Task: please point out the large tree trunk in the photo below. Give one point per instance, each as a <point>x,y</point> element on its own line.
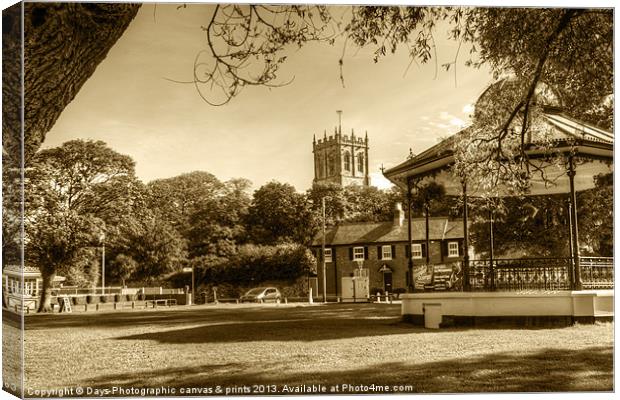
<point>64,43</point>
<point>45,305</point>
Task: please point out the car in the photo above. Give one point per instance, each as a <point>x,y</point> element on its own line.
<point>261,295</point>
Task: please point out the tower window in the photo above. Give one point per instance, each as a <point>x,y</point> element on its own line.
<point>347,161</point>
<point>331,170</point>
<point>360,162</point>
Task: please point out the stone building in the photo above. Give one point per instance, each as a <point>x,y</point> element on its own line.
<point>341,159</point>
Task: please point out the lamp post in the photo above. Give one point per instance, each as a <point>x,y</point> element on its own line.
<point>102,239</point>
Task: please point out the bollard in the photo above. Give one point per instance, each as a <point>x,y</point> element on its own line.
<point>97,307</point>
<point>378,297</point>
<point>338,299</point>
<point>310,296</point>
<point>133,305</point>
<point>286,300</point>
<point>115,305</point>
<point>85,307</point>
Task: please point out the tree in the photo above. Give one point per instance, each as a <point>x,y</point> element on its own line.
<point>71,190</point>
<point>567,52</point>
<point>124,267</point>
<point>335,202</point>
<point>353,203</point>
<point>207,213</point>
<point>176,199</point>
<point>533,226</point>
<point>155,246</point>
<point>279,214</point>
<point>64,43</point>
<point>596,217</point>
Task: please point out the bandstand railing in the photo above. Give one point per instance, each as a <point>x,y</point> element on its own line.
<point>538,274</point>
<point>597,272</point>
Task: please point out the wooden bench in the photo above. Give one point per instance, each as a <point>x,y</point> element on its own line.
<point>164,302</point>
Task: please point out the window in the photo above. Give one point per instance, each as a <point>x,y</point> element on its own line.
<point>386,252</point>
<point>331,165</point>
<point>416,250</point>
<point>453,249</point>
<point>360,162</point>
<point>347,161</point>
<point>328,255</point>
<point>358,253</point>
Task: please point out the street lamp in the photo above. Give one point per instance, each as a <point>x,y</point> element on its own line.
<point>102,239</point>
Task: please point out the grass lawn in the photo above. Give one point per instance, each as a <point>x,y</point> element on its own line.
<point>356,344</point>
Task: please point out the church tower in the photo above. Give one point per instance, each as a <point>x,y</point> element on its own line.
<point>341,159</point>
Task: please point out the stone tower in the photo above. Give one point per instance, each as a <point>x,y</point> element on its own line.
<point>341,159</point>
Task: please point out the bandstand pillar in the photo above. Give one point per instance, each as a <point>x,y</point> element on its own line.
<point>466,286</point>
<point>577,284</point>
<point>411,287</point>
<point>491,248</point>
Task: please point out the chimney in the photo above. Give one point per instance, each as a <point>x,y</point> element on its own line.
<point>399,214</point>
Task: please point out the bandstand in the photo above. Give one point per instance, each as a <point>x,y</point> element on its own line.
<point>529,291</point>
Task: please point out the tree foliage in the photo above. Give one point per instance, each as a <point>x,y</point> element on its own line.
<point>538,226</point>
<point>353,203</point>
<point>564,50</point>
<point>64,43</point>
<point>70,190</point>
<point>209,214</point>
<point>278,214</point>
<point>260,263</point>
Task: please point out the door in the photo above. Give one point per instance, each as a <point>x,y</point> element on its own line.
<point>387,281</point>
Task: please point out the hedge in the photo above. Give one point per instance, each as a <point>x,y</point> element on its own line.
<point>92,299</point>
<point>253,263</point>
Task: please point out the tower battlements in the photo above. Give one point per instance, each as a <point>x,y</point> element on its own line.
<point>341,159</point>
<point>338,138</point>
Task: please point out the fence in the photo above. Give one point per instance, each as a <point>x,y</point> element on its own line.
<point>597,272</point>
<point>539,274</point>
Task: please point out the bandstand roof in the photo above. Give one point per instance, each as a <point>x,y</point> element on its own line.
<point>18,270</point>
<point>591,145</point>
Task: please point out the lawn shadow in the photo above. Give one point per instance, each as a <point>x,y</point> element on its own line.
<point>548,370</point>
<point>176,317</point>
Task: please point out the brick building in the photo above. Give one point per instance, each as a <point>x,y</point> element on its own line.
<point>381,249</point>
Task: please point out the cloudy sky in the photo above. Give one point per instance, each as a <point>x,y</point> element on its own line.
<point>263,134</point>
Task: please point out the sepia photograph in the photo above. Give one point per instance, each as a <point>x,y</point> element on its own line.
<point>204,199</point>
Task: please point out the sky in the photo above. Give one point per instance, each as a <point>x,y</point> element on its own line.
<point>264,133</point>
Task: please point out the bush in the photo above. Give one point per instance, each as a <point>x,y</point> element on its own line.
<point>92,299</point>
<point>253,263</point>
<point>399,291</point>
<point>107,298</point>
<point>142,296</point>
<point>79,300</point>
<point>119,298</point>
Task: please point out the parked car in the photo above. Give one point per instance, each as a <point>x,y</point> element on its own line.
<point>262,295</point>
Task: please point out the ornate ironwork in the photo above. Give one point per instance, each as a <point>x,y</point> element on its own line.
<point>538,273</point>
<point>597,272</point>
